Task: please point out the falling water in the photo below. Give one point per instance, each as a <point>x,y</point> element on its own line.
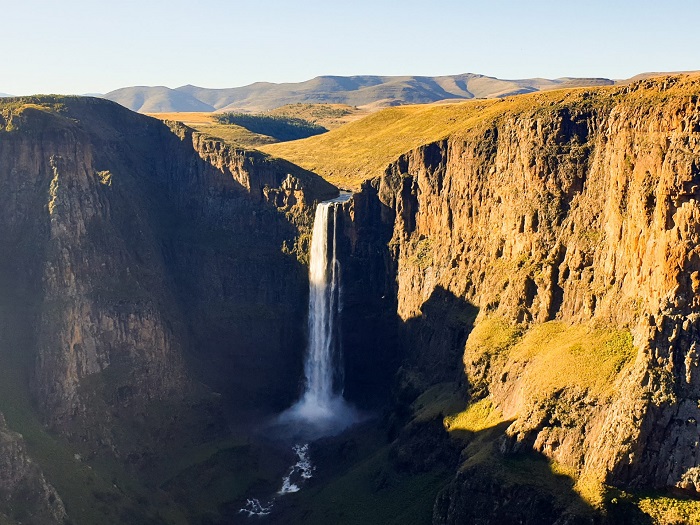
<point>321,410</point>
<point>322,402</point>
<point>322,367</point>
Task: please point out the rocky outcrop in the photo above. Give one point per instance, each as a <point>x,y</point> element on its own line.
<point>581,210</point>
<point>25,496</point>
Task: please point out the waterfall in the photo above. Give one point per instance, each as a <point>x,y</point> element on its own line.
<point>321,409</point>
<point>323,366</point>
<point>322,402</point>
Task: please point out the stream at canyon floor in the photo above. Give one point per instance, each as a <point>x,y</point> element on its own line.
<point>298,474</point>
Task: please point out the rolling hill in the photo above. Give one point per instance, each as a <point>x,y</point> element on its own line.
<point>363,90</point>
<point>158,99</point>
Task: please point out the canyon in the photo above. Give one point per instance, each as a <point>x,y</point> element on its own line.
<point>519,314</point>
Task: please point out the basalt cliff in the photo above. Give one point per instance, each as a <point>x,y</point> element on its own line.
<point>551,251</point>
<point>520,314</point>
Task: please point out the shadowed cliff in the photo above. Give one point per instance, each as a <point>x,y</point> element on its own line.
<point>151,283</point>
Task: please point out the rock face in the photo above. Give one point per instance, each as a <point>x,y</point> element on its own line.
<point>139,259</point>
<point>25,495</point>
<point>583,210</point>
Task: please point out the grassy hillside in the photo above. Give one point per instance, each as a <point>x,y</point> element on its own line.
<point>363,149</point>
<point>281,127</point>
<point>255,130</point>
<point>206,123</point>
<point>330,116</point>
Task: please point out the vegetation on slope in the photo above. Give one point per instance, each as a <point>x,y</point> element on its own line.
<point>207,124</point>
<point>362,149</point>
<point>553,357</point>
<point>280,127</point>
<point>667,510</point>
<point>330,116</point>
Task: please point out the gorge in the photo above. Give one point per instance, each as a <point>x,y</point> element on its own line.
<point>519,312</point>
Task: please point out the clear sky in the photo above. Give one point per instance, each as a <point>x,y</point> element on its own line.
<point>88,46</point>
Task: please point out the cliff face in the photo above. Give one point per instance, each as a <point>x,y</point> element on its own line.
<point>571,226</point>
<point>139,259</point>
<point>25,495</point>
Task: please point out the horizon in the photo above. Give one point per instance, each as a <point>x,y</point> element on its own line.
<point>96,94</point>
<point>223,44</point>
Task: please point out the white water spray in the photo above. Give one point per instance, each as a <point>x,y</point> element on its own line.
<point>301,471</point>
<point>323,371</point>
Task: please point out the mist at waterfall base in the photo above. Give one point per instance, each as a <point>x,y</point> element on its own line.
<point>322,410</point>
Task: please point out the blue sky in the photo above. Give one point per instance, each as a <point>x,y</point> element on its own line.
<point>85,46</point>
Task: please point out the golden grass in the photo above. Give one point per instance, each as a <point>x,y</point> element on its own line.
<point>560,356</point>
<point>544,360</point>
<point>552,356</point>
<point>330,116</point>
<point>475,418</point>
<point>664,510</point>
<point>490,337</point>
<point>547,359</point>
<point>236,135</point>
<point>191,119</point>
<point>206,123</point>
<point>363,149</point>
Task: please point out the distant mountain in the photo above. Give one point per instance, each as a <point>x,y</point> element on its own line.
<point>159,99</point>
<point>354,91</point>
<point>5,95</point>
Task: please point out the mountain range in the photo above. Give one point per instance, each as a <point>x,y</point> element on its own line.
<point>354,90</point>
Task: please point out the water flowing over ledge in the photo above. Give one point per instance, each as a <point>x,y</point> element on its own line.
<point>322,409</point>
